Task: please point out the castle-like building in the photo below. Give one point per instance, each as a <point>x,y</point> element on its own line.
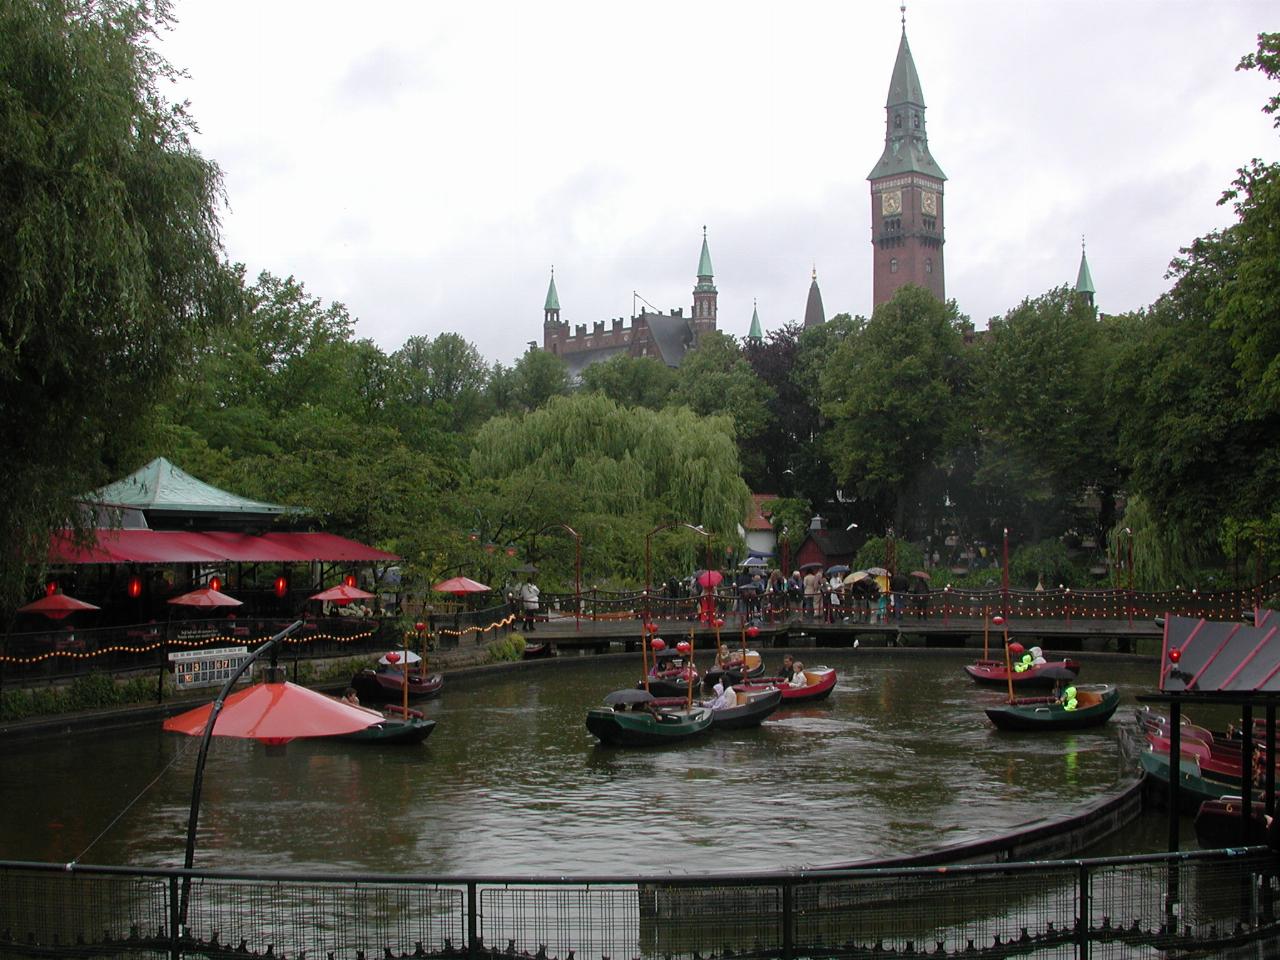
<point>907,236</point>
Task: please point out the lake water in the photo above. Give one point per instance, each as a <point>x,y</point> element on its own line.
<point>900,759</point>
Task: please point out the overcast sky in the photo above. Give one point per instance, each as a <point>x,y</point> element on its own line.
<point>426,163</point>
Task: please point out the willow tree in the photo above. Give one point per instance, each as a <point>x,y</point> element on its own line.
<point>615,468</point>
<point>109,252</point>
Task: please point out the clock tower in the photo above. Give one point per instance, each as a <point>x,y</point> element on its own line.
<point>906,192</point>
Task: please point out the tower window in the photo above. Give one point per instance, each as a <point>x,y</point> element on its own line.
<point>893,264</point>
<point>915,120</point>
<point>928,264</point>
<point>897,121</point>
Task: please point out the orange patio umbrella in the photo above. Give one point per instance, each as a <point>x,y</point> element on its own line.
<point>275,713</point>
<point>460,586</point>
<point>55,606</point>
<point>342,593</point>
<point>205,597</point>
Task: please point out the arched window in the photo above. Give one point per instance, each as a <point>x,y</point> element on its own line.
<point>893,264</point>
<point>897,121</point>
<point>928,264</point>
<point>915,120</point>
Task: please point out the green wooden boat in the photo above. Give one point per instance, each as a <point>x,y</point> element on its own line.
<point>629,718</point>
<point>1096,703</point>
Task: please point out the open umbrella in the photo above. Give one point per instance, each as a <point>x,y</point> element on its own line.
<point>55,606</point>
<point>709,578</point>
<point>275,712</point>
<point>396,656</point>
<point>755,562</point>
<point>811,566</point>
<point>342,594</point>
<point>205,597</point>
<point>857,576</point>
<point>877,571</point>
<point>525,568</point>
<point>840,568</point>
<point>921,574</point>
<point>460,586</point>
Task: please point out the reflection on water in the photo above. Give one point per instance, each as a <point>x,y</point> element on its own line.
<point>899,759</point>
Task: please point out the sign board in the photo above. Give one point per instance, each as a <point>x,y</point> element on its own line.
<point>206,668</point>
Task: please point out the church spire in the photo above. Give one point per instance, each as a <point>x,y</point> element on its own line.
<point>551,308</point>
<point>755,333</point>
<point>704,292</point>
<point>906,146</point>
<point>1084,280</point>
<point>813,311</point>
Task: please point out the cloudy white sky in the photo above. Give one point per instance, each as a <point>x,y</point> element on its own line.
<point>426,163</point>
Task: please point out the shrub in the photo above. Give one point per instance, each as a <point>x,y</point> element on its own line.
<point>505,649</point>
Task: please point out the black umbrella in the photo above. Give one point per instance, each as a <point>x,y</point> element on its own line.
<point>525,568</point>
<point>1056,672</point>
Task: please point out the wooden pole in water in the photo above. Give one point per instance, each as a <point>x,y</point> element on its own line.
<point>986,630</point>
<point>691,672</point>
<point>404,683</point>
<point>644,653</point>
<point>1008,664</point>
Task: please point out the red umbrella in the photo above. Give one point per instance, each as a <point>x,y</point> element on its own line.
<point>206,597</point>
<point>276,712</point>
<point>55,606</point>
<point>460,586</point>
<point>710,578</point>
<point>342,594</point>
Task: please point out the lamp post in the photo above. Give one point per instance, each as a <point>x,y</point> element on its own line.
<point>648,587</point>
<point>1129,565</point>
<point>1004,577</point>
<point>577,566</point>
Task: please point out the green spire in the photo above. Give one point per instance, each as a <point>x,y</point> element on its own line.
<point>704,262</point>
<point>1084,280</point>
<point>906,146</point>
<point>755,333</point>
<point>553,298</point>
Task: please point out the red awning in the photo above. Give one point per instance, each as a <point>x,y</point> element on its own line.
<point>213,546</point>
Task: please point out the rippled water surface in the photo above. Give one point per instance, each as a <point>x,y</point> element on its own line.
<point>900,759</point>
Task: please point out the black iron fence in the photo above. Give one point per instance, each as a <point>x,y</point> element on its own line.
<point>1202,904</point>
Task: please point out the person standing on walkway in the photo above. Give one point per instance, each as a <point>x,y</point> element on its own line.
<point>529,600</point>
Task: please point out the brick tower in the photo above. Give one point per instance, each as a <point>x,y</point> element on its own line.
<point>906,192</point>
<point>704,293</point>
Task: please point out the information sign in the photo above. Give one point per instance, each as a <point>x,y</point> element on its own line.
<point>206,668</point>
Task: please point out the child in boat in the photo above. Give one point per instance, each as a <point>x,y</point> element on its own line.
<point>798,679</point>
<point>725,697</point>
<point>350,697</point>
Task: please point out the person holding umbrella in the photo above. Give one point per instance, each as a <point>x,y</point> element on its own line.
<point>529,600</point>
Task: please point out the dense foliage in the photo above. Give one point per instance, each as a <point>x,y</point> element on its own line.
<point>1088,436</point>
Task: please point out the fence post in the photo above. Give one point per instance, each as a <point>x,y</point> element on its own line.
<point>174,950</point>
<point>473,943</point>
<point>788,946</point>
<point>1082,922</point>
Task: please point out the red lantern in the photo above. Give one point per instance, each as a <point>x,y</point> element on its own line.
<point>753,631</point>
<point>282,586</point>
<point>135,587</point>
<point>51,588</point>
<point>998,620</point>
<point>511,551</point>
<point>215,583</point>
<point>1016,648</point>
<point>393,657</point>
<point>658,643</point>
<point>651,627</point>
<point>1175,655</point>
<point>717,623</point>
<point>349,580</point>
<point>420,626</point>
<point>683,647</point>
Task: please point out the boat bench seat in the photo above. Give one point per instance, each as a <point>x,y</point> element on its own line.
<point>1087,698</point>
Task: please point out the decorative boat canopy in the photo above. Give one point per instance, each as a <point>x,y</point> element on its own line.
<point>1206,656</point>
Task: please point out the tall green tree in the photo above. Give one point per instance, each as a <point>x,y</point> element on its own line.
<point>447,373</point>
<point>109,253</point>
<point>889,391</point>
<point>631,381</point>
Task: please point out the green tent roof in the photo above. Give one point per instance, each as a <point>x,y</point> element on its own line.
<point>160,486</point>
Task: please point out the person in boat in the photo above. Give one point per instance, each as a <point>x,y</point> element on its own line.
<point>725,697</point>
<point>798,679</point>
<point>727,659</point>
<point>350,697</point>
<point>788,668</point>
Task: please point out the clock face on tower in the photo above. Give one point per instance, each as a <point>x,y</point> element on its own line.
<point>929,203</point>
<point>890,203</point>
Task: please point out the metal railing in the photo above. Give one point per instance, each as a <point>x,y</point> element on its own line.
<point>1179,904</point>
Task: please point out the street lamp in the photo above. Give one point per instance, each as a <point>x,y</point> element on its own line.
<point>577,565</point>
<point>1004,576</point>
<point>648,588</point>
<point>1129,605</point>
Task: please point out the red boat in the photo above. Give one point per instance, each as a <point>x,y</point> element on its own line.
<point>386,685</point>
<point>1039,676</point>
<point>819,682</point>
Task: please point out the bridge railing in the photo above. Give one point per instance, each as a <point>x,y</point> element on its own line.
<point>1165,904</point>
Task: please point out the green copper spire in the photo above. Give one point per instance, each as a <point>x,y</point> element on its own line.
<point>1084,280</point>
<point>704,262</point>
<point>553,298</point>
<point>906,146</point>
<point>755,333</point>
